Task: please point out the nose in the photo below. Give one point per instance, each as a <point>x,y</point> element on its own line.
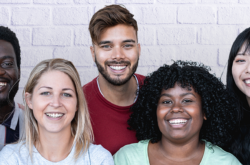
<point>2,71</point>
<point>55,101</point>
<point>118,53</point>
<point>176,108</point>
<point>248,66</point>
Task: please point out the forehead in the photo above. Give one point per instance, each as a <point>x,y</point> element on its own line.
<point>245,48</point>
<point>6,49</point>
<point>118,32</point>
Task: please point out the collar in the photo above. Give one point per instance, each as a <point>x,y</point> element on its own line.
<point>137,83</point>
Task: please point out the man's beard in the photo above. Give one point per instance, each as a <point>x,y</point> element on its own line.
<point>9,99</point>
<point>116,81</point>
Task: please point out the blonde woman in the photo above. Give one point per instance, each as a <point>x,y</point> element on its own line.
<point>57,123</point>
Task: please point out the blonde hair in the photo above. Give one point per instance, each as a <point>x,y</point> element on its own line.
<point>81,128</point>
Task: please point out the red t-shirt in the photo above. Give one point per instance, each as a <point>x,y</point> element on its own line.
<point>109,121</point>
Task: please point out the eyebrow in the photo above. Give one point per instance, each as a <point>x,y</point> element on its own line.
<point>184,94</point>
<point>64,89</point>
<point>7,57</point>
<point>108,42</point>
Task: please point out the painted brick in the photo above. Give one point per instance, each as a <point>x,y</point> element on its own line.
<point>233,15</point>
<point>207,56</point>
<point>146,70</point>
<point>25,73</point>
<point>156,56</point>
<point>223,55</point>
<point>197,14</point>
<point>23,35</point>
<point>221,35</point>
<point>19,97</point>
<point>30,16</point>
<point>146,35</point>
<point>82,36</point>
<point>153,15</point>
<point>15,1</point>
<point>242,28</point>
<point>177,1</point>
<point>219,1</point>
<point>71,16</point>
<point>219,72</point>
<point>32,56</point>
<point>52,36</point>
<point>244,1</point>
<point>4,15</point>
<point>134,1</point>
<point>87,74</point>
<point>93,1</point>
<point>52,1</point>
<point>79,56</point>
<point>138,14</point>
<point>176,35</point>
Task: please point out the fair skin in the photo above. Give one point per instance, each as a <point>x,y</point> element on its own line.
<point>54,104</point>
<point>241,71</point>
<point>180,117</point>
<point>117,53</point>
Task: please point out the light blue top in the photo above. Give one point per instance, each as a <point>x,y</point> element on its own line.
<point>18,154</point>
<point>137,154</point>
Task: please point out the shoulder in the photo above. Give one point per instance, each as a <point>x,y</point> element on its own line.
<point>140,78</point>
<point>100,155</point>
<point>135,153</point>
<point>89,85</point>
<point>12,153</point>
<point>216,155</point>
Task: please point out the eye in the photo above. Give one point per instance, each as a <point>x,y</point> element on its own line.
<point>128,46</point>
<point>67,95</point>
<point>187,101</point>
<point>106,46</point>
<point>45,93</point>
<point>240,61</point>
<point>167,102</point>
<point>7,64</point>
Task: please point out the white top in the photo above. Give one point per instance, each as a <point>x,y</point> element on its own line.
<point>18,115</point>
<point>18,154</point>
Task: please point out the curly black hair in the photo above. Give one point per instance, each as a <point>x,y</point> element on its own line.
<point>7,35</point>
<point>217,104</point>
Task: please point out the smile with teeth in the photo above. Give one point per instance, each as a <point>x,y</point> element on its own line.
<point>118,67</point>
<point>247,81</point>
<point>177,121</point>
<point>54,115</point>
<point>2,84</point>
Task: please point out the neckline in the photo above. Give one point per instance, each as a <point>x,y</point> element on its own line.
<point>137,83</point>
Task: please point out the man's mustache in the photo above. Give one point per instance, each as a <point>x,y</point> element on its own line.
<point>117,62</point>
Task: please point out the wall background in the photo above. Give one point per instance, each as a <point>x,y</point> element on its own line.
<point>198,30</point>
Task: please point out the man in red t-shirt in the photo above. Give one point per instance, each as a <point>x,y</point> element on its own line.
<point>109,96</point>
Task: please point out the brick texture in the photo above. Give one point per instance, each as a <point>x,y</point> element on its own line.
<point>197,30</point>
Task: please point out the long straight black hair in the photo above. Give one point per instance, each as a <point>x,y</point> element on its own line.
<point>240,146</point>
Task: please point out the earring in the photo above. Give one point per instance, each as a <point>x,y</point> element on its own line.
<point>205,118</point>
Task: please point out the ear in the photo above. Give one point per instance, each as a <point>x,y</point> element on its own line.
<point>92,50</point>
<point>28,100</point>
<point>139,49</point>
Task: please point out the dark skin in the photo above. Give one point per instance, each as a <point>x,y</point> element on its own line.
<point>180,141</point>
<point>9,75</point>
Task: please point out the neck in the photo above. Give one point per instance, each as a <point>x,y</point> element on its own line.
<point>181,151</point>
<point>5,111</point>
<point>55,146</point>
<point>248,101</point>
<point>123,95</point>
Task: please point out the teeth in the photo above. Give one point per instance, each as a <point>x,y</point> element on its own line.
<point>247,81</point>
<point>117,67</point>
<point>3,84</point>
<point>177,121</point>
<point>54,115</point>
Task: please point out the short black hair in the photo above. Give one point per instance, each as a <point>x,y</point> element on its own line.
<point>217,104</point>
<point>7,35</point>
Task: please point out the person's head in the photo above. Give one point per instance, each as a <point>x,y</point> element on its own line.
<point>9,65</point>
<point>54,102</point>
<point>115,47</point>
<point>183,101</point>
<point>238,70</point>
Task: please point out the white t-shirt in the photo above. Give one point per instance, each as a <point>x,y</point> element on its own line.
<point>18,154</point>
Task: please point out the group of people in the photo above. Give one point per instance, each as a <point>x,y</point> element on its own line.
<point>179,114</point>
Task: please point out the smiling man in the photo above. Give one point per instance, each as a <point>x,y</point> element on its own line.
<point>11,117</point>
<point>116,53</point>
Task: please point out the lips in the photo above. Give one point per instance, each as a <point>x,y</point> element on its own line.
<point>115,67</point>
<point>54,114</point>
<point>177,121</point>
<point>247,81</point>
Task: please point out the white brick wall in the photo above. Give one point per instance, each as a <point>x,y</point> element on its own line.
<point>199,30</point>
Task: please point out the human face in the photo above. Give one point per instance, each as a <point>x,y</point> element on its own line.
<point>116,54</point>
<point>9,73</point>
<point>54,102</point>
<point>179,114</point>
<point>241,71</point>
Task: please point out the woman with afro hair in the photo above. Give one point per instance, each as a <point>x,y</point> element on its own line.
<point>182,115</point>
